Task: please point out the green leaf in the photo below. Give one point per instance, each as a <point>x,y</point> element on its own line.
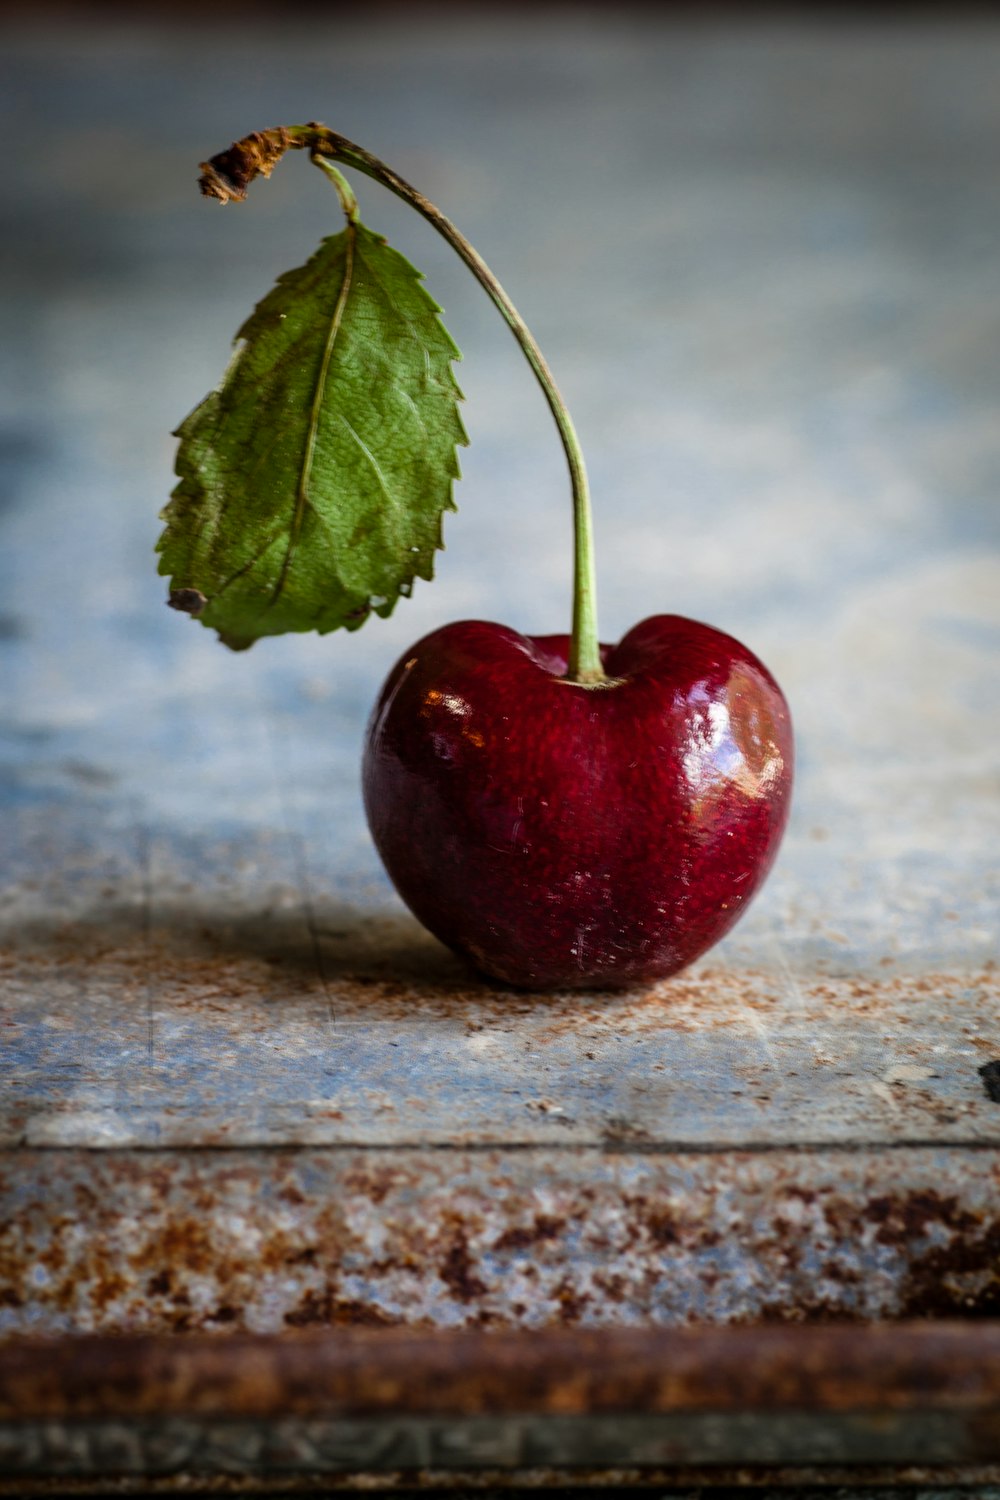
<point>314,480</point>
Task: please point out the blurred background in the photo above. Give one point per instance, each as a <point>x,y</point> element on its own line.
<point>761,252</point>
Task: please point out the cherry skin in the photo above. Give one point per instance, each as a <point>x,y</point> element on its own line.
<point>562,835</point>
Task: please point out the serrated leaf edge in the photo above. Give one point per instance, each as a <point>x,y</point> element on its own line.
<point>404,588</point>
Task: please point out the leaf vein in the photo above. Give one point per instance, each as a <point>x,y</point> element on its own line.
<point>316,474</point>
<point>373,461</point>
<point>302,492</point>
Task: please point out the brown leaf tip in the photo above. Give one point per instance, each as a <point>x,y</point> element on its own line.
<point>228,175</point>
<point>191,601</point>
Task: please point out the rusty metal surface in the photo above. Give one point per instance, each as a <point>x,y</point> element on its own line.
<point>376,1402</point>
<point>920,1367</point>
<point>411,1445</point>
<point>270,1240</point>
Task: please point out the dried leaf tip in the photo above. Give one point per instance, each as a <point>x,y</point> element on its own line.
<point>228,175</point>
<point>190,601</point>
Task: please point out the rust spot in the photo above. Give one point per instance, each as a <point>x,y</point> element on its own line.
<point>373,1183</point>
<point>902,1219</point>
<point>184,1242</point>
<point>456,1271</point>
<point>958,1280</point>
<point>657,1224</point>
<point>305,1257</point>
<point>159,1285</point>
<point>325,1308</point>
<point>815,1310</point>
<point>54,1257</point>
<point>572,1304</point>
<point>224,1314</point>
<point>662,1228</point>
<point>544,1228</point>
<point>846,1275</point>
<point>613,1286</point>
<point>106,1287</point>
<point>990,1074</point>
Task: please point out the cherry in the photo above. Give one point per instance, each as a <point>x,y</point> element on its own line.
<point>563,834</point>
<point>562,812</point>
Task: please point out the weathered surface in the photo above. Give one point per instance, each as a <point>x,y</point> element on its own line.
<point>240,1090</point>
<point>409,1446</point>
<point>177,1241</point>
<point>377,1402</point>
<point>913,1367</point>
<point>363,1032</point>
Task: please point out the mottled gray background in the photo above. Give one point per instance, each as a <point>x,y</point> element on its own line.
<point>762,256</point>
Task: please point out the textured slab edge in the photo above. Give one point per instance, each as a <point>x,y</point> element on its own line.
<point>267,1242</point>
<point>717,1482</point>
<point>414,1443</point>
<point>362,1375</point>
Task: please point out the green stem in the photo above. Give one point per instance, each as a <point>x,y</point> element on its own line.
<point>345,192</point>
<point>227,176</point>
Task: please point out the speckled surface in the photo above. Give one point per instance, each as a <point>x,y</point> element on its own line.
<point>159,1241</point>
<point>762,259</point>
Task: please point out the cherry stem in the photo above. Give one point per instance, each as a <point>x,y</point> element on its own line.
<point>227,177</point>
<point>345,193</point>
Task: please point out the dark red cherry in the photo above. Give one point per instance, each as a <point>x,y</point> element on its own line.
<point>561,835</point>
